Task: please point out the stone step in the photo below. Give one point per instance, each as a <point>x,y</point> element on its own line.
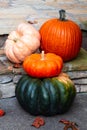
<point>9,76</point>
<point>8,84</point>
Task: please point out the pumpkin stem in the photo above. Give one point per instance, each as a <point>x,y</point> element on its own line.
<point>42,55</point>
<point>62,15</point>
<point>15,40</point>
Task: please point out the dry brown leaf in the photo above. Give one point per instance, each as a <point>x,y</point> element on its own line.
<point>16,66</point>
<point>38,122</point>
<point>69,124</point>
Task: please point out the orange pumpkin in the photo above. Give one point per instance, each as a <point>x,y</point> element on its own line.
<point>43,65</point>
<point>22,42</point>
<point>61,36</point>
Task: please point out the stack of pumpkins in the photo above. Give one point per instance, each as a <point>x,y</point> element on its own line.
<point>44,89</point>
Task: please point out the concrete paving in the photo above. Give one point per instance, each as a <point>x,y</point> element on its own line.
<point>18,119</point>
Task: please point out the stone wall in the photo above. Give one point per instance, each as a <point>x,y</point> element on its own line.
<point>14,12</point>
<point>9,74</point>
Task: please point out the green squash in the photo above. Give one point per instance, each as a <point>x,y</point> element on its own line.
<point>47,96</point>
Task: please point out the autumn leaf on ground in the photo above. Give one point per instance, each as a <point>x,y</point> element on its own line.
<point>2,112</point>
<point>17,65</point>
<point>69,124</point>
<point>38,122</point>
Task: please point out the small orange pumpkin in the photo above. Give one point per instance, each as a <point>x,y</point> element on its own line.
<point>22,42</point>
<point>61,36</point>
<point>43,65</point>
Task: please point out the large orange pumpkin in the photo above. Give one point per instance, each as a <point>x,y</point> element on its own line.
<point>61,36</point>
<point>22,42</point>
<point>43,65</point>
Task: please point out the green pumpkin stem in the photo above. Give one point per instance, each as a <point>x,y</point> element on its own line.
<point>42,55</point>
<point>62,15</point>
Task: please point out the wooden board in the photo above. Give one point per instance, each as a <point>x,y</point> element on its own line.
<point>13,12</point>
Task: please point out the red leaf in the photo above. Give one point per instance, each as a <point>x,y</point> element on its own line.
<point>38,122</point>
<point>16,65</point>
<point>64,121</point>
<point>69,124</point>
<point>2,112</point>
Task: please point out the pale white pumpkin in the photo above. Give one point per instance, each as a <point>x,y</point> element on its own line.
<point>22,42</point>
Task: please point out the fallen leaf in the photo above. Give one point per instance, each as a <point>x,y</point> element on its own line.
<point>32,22</point>
<point>16,66</point>
<point>2,112</point>
<point>38,122</point>
<point>64,121</point>
<point>69,124</point>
